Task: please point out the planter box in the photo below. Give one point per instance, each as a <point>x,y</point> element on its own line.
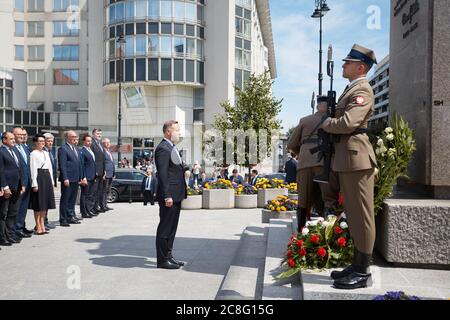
<point>218,199</point>
<point>246,201</point>
<point>265,195</point>
<point>293,196</point>
<point>268,214</point>
<point>192,202</point>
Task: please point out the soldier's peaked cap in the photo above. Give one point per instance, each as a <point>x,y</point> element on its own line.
<point>360,53</point>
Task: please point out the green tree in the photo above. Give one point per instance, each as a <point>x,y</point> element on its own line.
<point>255,109</point>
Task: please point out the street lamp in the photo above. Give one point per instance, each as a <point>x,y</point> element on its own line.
<point>120,41</point>
<point>321,9</point>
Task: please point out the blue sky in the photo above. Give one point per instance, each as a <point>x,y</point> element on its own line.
<point>296,37</point>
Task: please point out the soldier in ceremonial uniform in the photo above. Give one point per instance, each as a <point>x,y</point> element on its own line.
<point>301,141</point>
<point>354,161</point>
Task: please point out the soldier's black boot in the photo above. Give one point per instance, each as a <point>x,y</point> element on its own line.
<point>359,277</point>
<point>301,218</point>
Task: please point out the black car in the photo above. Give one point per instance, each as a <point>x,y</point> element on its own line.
<point>127,185</point>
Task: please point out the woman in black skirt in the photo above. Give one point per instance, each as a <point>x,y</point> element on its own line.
<point>42,197</point>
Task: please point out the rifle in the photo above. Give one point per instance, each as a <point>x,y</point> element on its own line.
<point>326,140</point>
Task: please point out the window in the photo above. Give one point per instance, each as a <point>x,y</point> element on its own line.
<point>26,117</point>
<point>247,45</point>
<point>65,76</point>
<point>190,47</point>
<point>178,73</point>
<point>179,10</point>
<point>153,8</point>
<point>200,48</point>
<point>199,98</point>
<point>18,5</point>
<point>112,71</point>
<point>247,14</point>
<point>238,54</point>
<point>8,99</point>
<point>140,28</point>
<point>153,27</point>
<point>129,70</point>
<point>201,32</point>
<point>246,76</point>
<point>36,53</point>
<point>190,30</point>
<point>178,28</point>
<point>112,48</point>
<point>66,53</point>
<point>129,10</point>
<point>191,11</point>
<point>141,8</point>
<point>239,26</point>
<point>190,71</point>
<point>199,115</point>
<point>36,76</point>
<point>166,69</point>
<point>119,30</point>
<point>120,11</point>
<point>238,78</point>
<point>65,106</point>
<point>247,28</point>
<point>35,5</point>
<point>166,8</point>
<point>247,60</point>
<point>166,28</point>
<point>18,28</point>
<point>200,72</point>
<point>166,45</point>
<point>140,69</point>
<point>153,44</point>
<point>63,29</point>
<point>153,69</point>
<point>8,113</point>
<point>129,29</point>
<point>178,45</point>
<point>18,53</point>
<point>141,45</point>
<point>129,46</point>
<point>112,32</point>
<point>17,117</point>
<point>200,14</point>
<point>36,29</point>
<point>239,11</point>
<point>238,42</point>
<point>63,5</point>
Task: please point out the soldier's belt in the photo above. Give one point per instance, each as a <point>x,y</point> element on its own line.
<point>310,141</point>
<point>354,133</point>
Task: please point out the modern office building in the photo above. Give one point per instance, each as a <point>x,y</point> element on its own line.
<point>179,61</point>
<point>380,84</point>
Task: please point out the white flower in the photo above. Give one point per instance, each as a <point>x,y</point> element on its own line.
<point>391,152</point>
<point>388,130</point>
<point>383,150</point>
<point>377,151</point>
<point>305,231</point>
<point>376,171</point>
<point>390,137</point>
<point>308,223</point>
<point>320,219</point>
<point>344,225</point>
<point>380,142</point>
<point>324,224</point>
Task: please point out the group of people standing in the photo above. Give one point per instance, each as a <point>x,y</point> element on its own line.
<point>28,179</point>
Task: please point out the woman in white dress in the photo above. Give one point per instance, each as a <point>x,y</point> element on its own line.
<point>42,197</point>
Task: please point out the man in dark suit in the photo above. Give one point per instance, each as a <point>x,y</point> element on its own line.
<point>99,168</point>
<point>291,169</point>
<point>148,188</point>
<point>110,172</point>
<point>87,159</point>
<point>171,191</point>
<point>254,177</point>
<point>49,140</point>
<point>11,177</point>
<point>70,176</point>
<point>236,177</point>
<point>24,152</point>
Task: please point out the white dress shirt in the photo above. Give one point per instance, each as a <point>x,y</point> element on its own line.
<point>39,160</point>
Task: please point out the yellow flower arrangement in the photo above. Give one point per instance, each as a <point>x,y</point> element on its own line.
<point>264,183</point>
<point>292,187</point>
<point>282,203</point>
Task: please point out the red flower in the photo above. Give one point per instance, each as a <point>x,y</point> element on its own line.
<point>341,242</point>
<point>289,254</point>
<point>338,230</point>
<point>340,199</point>
<point>291,263</point>
<point>315,239</point>
<point>299,243</point>
<point>302,252</point>
<point>321,252</point>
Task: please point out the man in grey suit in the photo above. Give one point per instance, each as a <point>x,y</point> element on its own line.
<point>99,168</point>
<point>110,173</point>
<point>170,192</point>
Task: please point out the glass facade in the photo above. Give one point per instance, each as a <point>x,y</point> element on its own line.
<point>169,33</point>
<point>243,45</point>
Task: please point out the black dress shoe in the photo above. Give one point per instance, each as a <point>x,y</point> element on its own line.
<point>64,224</point>
<point>354,280</point>
<point>172,260</point>
<point>108,208</point>
<point>340,274</point>
<point>73,221</point>
<point>168,265</point>
<point>5,243</point>
<point>25,230</point>
<point>93,213</point>
<point>13,241</point>
<point>85,215</point>
<point>49,226</point>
